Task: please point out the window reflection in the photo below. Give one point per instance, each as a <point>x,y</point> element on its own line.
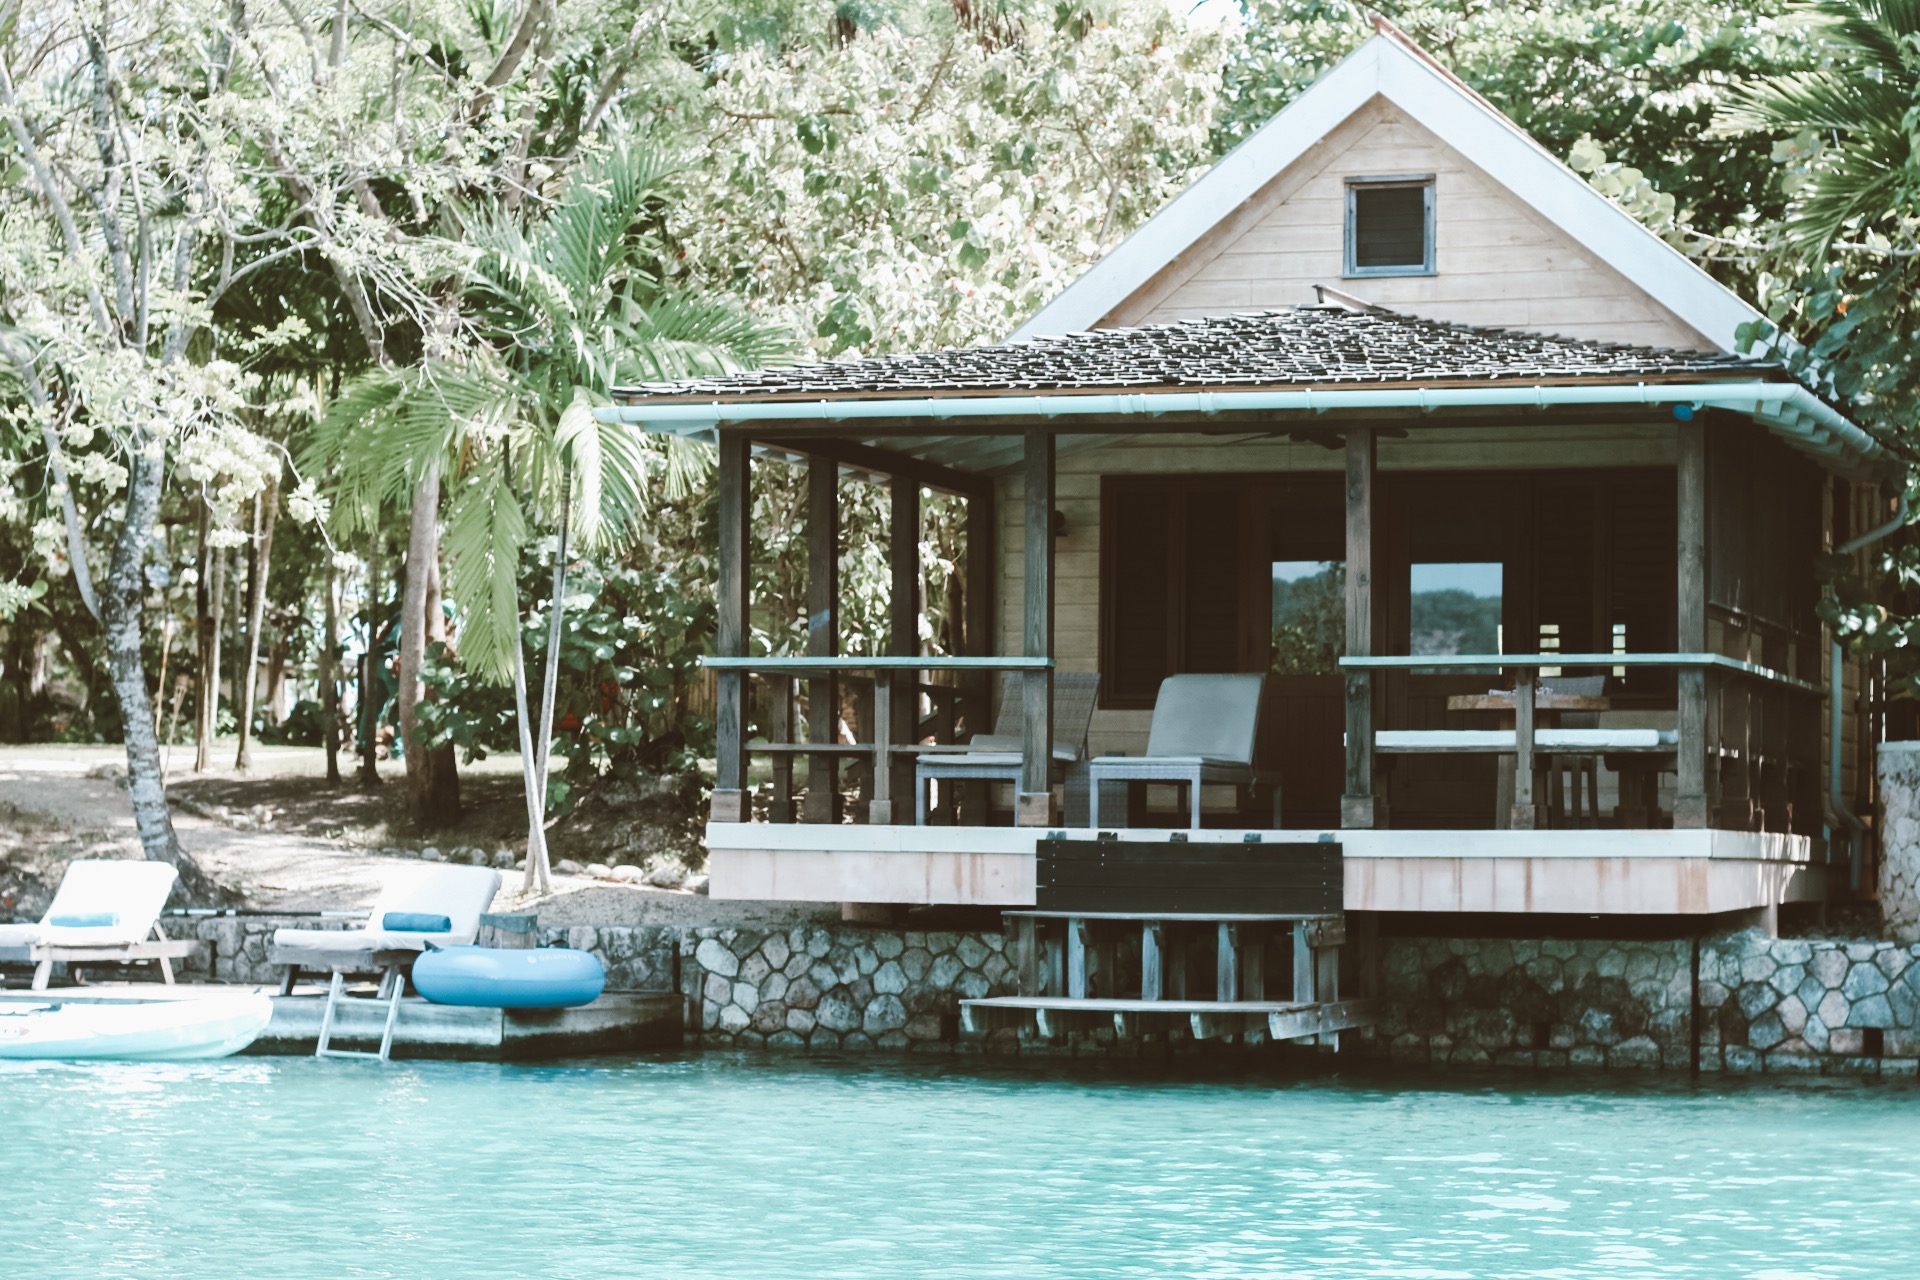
<point>1455,608</point>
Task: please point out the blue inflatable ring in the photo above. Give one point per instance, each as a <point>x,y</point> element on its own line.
<point>498,978</point>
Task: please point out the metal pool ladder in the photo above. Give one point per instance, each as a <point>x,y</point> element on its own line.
<point>392,984</point>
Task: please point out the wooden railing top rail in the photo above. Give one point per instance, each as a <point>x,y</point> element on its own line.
<point>1524,661</point>
<point>802,666</point>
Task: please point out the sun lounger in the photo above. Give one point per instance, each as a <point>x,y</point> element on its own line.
<point>996,756</point>
<point>420,905</point>
<point>426,906</point>
<point>105,911</point>
<point>1204,729</point>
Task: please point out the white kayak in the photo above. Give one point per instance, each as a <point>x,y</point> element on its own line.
<point>137,1031</point>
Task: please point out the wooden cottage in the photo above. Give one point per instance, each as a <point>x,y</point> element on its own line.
<point>1394,411</point>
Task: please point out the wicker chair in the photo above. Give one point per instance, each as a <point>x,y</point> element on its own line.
<point>1204,730</point>
<point>996,756</point>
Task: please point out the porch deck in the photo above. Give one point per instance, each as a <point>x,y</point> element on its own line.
<point>1685,871</point>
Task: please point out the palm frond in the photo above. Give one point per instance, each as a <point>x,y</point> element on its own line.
<point>485,533</point>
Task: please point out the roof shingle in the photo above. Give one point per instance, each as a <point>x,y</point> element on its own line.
<point>1298,346</point>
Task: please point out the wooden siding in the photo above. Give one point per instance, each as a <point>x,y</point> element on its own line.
<point>1497,261</point>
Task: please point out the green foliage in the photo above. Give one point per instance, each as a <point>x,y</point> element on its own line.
<point>630,647</point>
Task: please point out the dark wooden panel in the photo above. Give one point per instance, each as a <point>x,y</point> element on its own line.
<point>1142,876</point>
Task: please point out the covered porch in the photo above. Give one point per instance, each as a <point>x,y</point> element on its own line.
<point>1634,719</point>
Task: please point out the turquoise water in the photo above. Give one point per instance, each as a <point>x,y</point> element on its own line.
<point>740,1169</point>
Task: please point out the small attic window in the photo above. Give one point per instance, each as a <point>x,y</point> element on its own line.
<point>1390,226</point>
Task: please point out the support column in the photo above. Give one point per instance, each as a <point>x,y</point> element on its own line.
<point>1357,805</point>
<point>730,800</point>
<point>1690,804</point>
<point>983,572</point>
<point>1033,807</point>
<point>823,636</point>
<point>902,704</point>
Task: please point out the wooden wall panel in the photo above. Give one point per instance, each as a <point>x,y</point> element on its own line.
<point>1498,262</point>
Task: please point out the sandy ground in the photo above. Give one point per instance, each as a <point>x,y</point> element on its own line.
<point>305,845</point>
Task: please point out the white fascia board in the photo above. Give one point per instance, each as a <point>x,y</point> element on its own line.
<point>1230,183</point>
<point>1458,118</point>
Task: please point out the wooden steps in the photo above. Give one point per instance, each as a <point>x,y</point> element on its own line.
<point>1155,973</point>
<point>1203,1019</point>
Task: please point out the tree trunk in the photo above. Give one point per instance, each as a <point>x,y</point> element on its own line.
<point>443,766</point>
<point>213,616</point>
<point>536,774</point>
<point>539,877</point>
<point>330,675</point>
<point>433,793</point>
<point>266,506</point>
<point>122,609</point>
<point>202,636</point>
<point>369,708</point>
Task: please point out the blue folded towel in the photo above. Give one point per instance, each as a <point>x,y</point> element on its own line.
<point>415,922</point>
<point>85,920</point>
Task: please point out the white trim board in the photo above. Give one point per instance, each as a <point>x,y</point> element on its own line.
<point>1389,67</point>
<point>851,838</point>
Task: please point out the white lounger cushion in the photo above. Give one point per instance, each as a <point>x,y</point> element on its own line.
<point>134,891</point>
<point>1506,741</point>
<point>459,893</point>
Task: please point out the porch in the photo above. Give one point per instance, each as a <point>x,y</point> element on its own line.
<point>1630,713</point>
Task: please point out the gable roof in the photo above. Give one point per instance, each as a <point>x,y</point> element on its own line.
<point>1391,66</point>
<point>1323,346</point>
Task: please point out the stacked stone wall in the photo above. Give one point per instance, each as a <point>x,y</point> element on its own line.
<point>1780,1005</point>
<point>842,987</point>
<point>637,957</point>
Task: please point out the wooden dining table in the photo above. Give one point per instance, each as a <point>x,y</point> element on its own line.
<point>1548,707</point>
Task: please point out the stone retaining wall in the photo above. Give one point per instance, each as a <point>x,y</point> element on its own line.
<point>1764,1004</point>
<point>637,957</point>
<point>843,987</point>
<point>1469,1002</point>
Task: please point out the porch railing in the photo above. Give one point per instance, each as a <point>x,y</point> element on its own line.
<point>892,678</point>
<point>1736,750</point>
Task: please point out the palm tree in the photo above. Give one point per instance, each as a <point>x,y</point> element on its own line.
<point>1860,107</point>
<point>558,311</point>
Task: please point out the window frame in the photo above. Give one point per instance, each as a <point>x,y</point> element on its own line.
<point>1425,181</point>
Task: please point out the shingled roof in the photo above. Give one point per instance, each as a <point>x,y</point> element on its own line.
<point>1332,346</point>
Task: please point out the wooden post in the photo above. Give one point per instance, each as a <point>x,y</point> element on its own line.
<point>903,639</point>
<point>1033,807</point>
<point>1357,804</point>
<point>730,800</point>
<point>823,636</point>
<point>983,572</point>
<point>1690,804</point>
<point>1152,960</point>
<point>1226,969</point>
<point>1024,943</point>
<point>1076,959</point>
<point>779,729</point>
<point>509,930</point>
<point>1526,810</point>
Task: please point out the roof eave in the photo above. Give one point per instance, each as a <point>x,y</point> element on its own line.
<point>1786,408</point>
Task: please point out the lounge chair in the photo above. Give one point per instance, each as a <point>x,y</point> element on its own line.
<point>996,756</point>
<point>426,906</point>
<point>421,905</point>
<point>106,911</point>
<point>1204,729</point>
